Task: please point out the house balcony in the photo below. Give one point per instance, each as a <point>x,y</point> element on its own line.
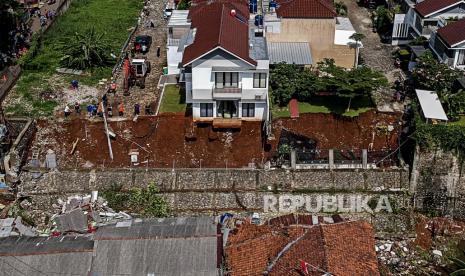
<point>227,92</point>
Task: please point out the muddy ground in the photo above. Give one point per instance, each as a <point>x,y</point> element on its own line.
<point>163,141</point>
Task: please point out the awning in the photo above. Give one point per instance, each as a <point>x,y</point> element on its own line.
<point>290,52</point>
<point>430,104</point>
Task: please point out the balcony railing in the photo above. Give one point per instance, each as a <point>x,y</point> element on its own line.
<point>227,92</point>
<point>173,42</point>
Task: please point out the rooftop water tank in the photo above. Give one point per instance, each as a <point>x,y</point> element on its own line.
<point>259,20</point>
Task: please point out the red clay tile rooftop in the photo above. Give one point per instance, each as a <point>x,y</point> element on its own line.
<point>346,248</point>
<point>216,27</point>
<point>453,33</point>
<point>306,9</point>
<point>429,7</point>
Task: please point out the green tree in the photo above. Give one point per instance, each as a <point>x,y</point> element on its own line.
<point>148,201</point>
<point>432,75</point>
<point>341,8</point>
<point>358,38</point>
<point>183,5</point>
<point>350,83</point>
<point>454,103</point>
<point>283,80</point>
<point>86,50</point>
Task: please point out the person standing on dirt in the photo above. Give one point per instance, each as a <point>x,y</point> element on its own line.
<point>89,110</point>
<point>136,109</point>
<point>121,109</point>
<point>67,111</point>
<point>147,110</point>
<point>77,108</point>
<point>110,111</point>
<point>105,100</point>
<point>100,109</point>
<point>158,51</point>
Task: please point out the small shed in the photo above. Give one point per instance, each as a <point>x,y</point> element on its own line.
<point>431,106</point>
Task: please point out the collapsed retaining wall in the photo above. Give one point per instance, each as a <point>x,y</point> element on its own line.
<point>439,184</point>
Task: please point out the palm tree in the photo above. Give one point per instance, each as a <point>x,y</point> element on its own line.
<point>86,50</point>
<point>358,38</point>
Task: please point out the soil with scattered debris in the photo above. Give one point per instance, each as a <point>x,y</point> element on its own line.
<point>165,141</point>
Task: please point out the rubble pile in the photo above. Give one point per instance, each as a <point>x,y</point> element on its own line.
<point>426,254</point>
<point>83,214</point>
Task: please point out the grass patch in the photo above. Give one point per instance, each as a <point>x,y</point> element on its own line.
<point>328,104</point>
<point>173,99</point>
<point>460,122</point>
<point>116,23</point>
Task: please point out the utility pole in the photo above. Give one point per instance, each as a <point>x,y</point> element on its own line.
<point>108,133</point>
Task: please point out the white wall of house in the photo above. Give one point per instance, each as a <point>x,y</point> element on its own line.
<point>174,58</point>
<point>200,89</point>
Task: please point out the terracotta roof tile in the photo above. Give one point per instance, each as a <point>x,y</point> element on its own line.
<point>306,9</point>
<point>216,27</point>
<point>453,33</point>
<point>428,7</point>
<point>345,248</point>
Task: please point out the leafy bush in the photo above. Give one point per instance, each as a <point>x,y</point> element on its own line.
<point>144,201</point>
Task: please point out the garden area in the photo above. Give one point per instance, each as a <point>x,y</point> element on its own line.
<point>174,99</point>
<point>87,37</point>
<point>327,88</point>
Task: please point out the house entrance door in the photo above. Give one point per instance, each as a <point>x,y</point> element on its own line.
<point>227,109</point>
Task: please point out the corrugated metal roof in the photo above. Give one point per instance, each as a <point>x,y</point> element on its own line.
<point>186,256</point>
<point>160,228</point>
<point>170,246</point>
<point>430,104</point>
<point>290,52</point>
<point>44,245</point>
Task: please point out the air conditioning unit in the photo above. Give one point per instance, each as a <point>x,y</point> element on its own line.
<point>258,96</point>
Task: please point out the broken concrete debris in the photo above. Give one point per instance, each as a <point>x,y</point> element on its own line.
<point>81,214</point>
<point>15,227</point>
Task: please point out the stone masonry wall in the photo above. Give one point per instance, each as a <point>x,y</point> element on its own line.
<point>439,183</point>
<point>200,189</point>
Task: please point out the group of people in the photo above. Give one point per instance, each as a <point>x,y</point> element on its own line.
<point>98,109</point>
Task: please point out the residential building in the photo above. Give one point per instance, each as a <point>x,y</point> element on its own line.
<point>448,43</point>
<point>439,21</point>
<point>165,246</point>
<point>222,58</point>
<point>277,247</point>
<point>308,28</point>
<point>422,18</point>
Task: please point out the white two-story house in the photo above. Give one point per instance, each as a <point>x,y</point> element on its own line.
<point>422,18</point>
<point>224,63</point>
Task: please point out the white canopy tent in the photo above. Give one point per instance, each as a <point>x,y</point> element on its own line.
<point>430,105</point>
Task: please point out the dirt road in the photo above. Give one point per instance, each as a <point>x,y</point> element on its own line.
<point>148,95</point>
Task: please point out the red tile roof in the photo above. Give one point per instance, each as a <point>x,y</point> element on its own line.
<point>306,9</point>
<point>216,27</point>
<point>428,7</point>
<point>346,248</point>
<point>453,33</point>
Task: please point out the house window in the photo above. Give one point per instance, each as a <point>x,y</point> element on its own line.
<point>259,80</point>
<point>248,110</point>
<point>461,58</point>
<point>206,110</point>
<point>226,79</point>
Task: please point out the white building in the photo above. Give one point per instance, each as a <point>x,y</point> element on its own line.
<point>223,60</point>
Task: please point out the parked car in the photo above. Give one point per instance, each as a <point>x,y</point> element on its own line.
<point>142,43</point>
